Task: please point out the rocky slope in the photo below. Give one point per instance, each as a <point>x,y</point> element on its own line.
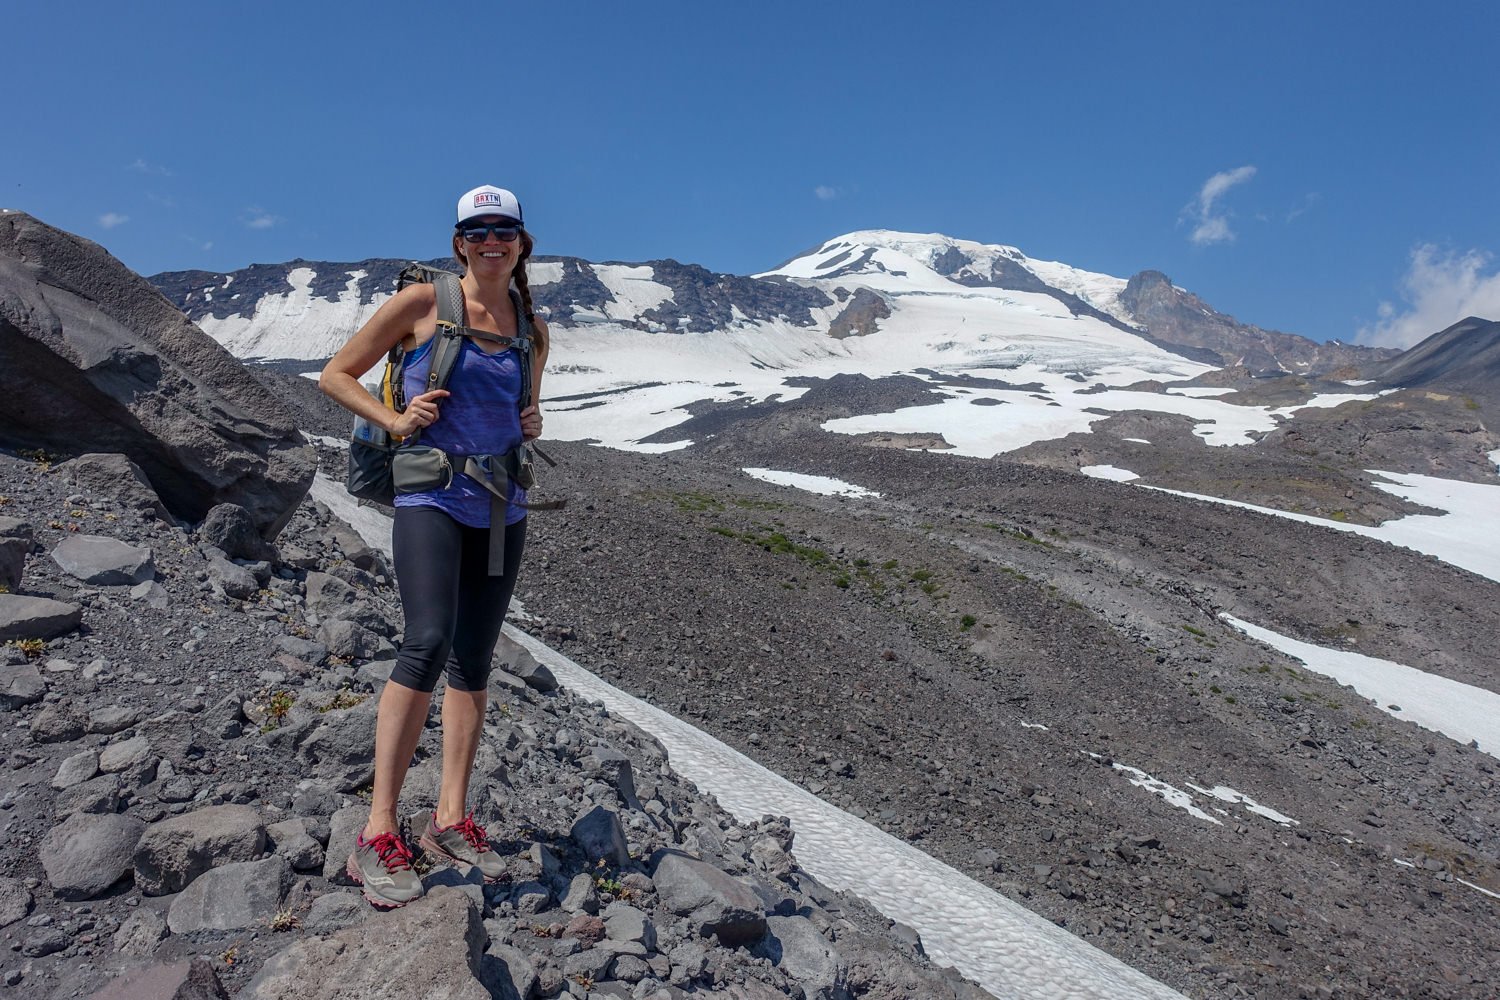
<point>901,656</point>
<point>191,717</point>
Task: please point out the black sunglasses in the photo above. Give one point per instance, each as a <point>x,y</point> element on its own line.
<point>478,232</point>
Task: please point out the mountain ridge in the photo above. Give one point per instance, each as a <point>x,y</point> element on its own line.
<point>807,291</point>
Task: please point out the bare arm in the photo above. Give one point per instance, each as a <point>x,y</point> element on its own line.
<point>409,310</point>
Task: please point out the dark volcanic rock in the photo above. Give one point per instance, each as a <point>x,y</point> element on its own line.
<point>1179,317</point>
<point>86,343</point>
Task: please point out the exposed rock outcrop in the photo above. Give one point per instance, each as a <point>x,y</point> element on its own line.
<point>91,352</point>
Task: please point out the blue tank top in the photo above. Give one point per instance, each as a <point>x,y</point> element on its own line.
<point>481,417</point>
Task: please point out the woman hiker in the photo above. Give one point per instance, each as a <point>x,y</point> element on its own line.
<point>453,599</point>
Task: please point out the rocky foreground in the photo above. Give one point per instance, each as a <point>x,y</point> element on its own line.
<point>192,717</point>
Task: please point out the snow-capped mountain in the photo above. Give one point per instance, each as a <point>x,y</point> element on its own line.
<point>848,287</point>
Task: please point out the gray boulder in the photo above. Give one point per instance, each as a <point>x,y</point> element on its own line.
<point>175,851</point>
<point>713,901</point>
<point>75,770</point>
<point>125,755</point>
<point>599,833</point>
<point>97,795</point>
<point>55,724</point>
<point>623,922</point>
<point>16,539</point>
<point>15,900</point>
<point>327,594</point>
<point>111,719</point>
<point>229,528</point>
<point>615,769</point>
<point>348,639</point>
<point>245,894</point>
<point>190,979</point>
<point>437,942</point>
<point>102,560</point>
<point>36,617</point>
<point>341,748</point>
<point>234,580</point>
<point>518,661</point>
<point>334,911</point>
<point>86,342</point>
<point>153,593</point>
<point>141,932</point>
<point>116,477</point>
<point>794,945</point>
<point>343,829</point>
<point>292,841</point>
<point>87,853</point>
<point>509,972</point>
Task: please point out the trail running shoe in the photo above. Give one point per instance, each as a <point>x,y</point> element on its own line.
<point>463,842</point>
<point>383,866</point>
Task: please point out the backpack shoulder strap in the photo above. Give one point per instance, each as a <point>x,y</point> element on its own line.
<point>450,329</point>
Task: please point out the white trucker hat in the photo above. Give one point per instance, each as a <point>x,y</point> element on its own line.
<point>488,200</point>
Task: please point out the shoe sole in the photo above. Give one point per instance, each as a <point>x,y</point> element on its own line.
<point>374,899</point>
<point>430,846</point>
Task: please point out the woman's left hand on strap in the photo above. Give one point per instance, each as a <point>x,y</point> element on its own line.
<point>531,423</point>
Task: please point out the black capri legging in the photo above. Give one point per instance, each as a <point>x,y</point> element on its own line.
<point>454,609</point>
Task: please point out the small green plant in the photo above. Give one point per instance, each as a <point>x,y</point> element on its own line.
<point>285,920</point>
<point>1360,723</point>
<point>1288,697</point>
<point>1229,698</point>
<point>40,457</point>
<point>32,648</point>
<point>1215,689</point>
<point>342,700</point>
<point>1195,631</point>
<point>921,576</point>
<point>842,582</point>
<point>1340,515</point>
<point>278,706</point>
<point>861,563</point>
<point>967,622</point>
<point>696,502</point>
<point>929,588</point>
<point>889,565</point>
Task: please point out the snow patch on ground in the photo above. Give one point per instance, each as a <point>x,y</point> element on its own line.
<point>1460,711</point>
<point>1170,794</point>
<point>825,485</point>
<point>1226,794</point>
<point>1136,440</point>
<point>1109,472</point>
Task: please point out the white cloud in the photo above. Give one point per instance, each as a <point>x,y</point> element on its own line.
<point>140,166</point>
<point>1308,202</point>
<point>110,220</point>
<point>258,218</point>
<point>1440,288</point>
<point>1211,221</point>
<point>826,192</point>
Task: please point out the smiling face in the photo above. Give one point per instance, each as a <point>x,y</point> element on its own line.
<point>494,259</point>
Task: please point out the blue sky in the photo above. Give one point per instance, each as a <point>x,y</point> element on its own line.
<point>1326,169</point>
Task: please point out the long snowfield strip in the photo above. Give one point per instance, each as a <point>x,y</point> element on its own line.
<point>1002,946</point>
<point>1465,536</point>
<point>1460,711</point>
<point>1007,949</point>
